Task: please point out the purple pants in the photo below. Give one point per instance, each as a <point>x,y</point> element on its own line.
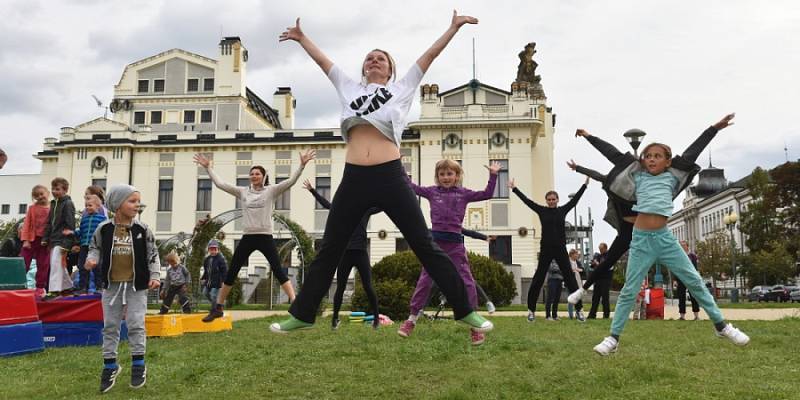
<point>458,254</point>
<point>42,256</point>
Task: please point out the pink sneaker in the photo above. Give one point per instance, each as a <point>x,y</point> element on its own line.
<point>406,328</point>
<point>477,338</point>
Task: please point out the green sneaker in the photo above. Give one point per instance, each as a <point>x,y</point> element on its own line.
<point>477,323</point>
<point>288,325</point>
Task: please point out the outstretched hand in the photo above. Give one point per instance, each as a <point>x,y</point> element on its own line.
<point>493,168</point>
<point>307,185</point>
<point>201,161</point>
<point>307,156</point>
<point>511,184</point>
<point>725,122</point>
<point>572,165</point>
<point>582,133</point>
<point>459,20</point>
<point>292,33</point>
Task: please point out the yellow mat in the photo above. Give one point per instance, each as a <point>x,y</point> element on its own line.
<point>192,323</point>
<point>163,325</point>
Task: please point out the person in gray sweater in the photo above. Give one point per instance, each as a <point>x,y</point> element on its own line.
<point>177,283</point>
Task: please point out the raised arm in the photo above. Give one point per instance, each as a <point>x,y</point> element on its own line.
<point>296,34</point>
<point>586,171</point>
<point>322,200</point>
<point>528,202</point>
<point>487,192</point>
<point>456,22</point>
<point>200,160</point>
<point>606,149</point>
<point>573,201</point>
<point>304,159</point>
<point>419,190</point>
<point>693,151</point>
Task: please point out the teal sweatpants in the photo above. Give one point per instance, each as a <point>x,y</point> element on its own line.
<point>647,249</point>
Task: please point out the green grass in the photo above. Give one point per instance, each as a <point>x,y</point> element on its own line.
<point>756,305</point>
<point>657,359</point>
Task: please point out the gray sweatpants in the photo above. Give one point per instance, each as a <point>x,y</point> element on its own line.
<point>120,300</point>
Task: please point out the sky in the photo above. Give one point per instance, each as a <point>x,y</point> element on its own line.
<point>671,68</point>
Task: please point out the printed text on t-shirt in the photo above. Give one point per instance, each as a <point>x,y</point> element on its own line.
<point>377,99</point>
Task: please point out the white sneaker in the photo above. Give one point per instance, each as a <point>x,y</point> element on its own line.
<point>607,346</point>
<point>576,296</point>
<point>490,307</point>
<point>736,336</point>
<point>531,316</point>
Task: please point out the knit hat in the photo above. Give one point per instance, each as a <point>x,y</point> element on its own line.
<point>117,194</point>
<point>213,243</point>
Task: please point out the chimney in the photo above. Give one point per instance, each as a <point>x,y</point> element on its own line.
<point>284,102</point>
<point>230,75</point>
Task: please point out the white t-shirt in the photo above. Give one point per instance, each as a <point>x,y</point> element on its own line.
<point>384,107</point>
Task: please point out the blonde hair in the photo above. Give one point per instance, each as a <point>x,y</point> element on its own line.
<point>573,251</point>
<point>392,72</point>
<point>174,257</point>
<point>451,165</point>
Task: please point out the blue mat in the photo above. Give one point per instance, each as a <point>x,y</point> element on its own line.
<point>21,338</point>
<point>73,334</point>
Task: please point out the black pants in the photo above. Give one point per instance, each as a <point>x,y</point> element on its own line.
<point>85,274</point>
<point>172,291</point>
<point>681,293</point>
<point>602,286</point>
<point>619,246</point>
<point>360,259</point>
<point>553,297</point>
<point>546,255</point>
<point>382,186</point>
<point>247,246</point>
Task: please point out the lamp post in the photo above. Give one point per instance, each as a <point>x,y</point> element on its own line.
<point>575,223</point>
<point>634,138</point>
<point>142,206</point>
<point>730,222</point>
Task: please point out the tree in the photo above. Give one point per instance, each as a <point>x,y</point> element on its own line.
<point>714,257</point>
<point>769,266</point>
<point>760,221</point>
<point>785,197</point>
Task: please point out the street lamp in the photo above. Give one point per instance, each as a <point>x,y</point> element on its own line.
<point>730,222</point>
<point>575,224</point>
<point>634,137</point>
<point>142,206</point>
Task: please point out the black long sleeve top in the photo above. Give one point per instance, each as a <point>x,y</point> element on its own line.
<point>552,219</point>
<point>358,241</point>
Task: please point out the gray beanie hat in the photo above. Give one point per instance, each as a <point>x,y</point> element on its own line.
<point>117,194</point>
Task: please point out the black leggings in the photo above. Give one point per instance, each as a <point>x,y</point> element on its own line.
<point>619,246</point>
<point>360,259</point>
<point>383,186</point>
<point>602,286</point>
<point>546,255</point>
<point>246,247</point>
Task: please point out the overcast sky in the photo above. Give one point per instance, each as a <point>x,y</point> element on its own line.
<point>670,68</point>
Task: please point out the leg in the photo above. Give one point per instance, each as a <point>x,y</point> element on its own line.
<point>84,283</point>
<point>458,254</point>
<point>422,294</point>
<point>681,293</point>
<point>595,299</point>
<point>562,258</point>
<point>168,299</point>
<point>361,261</point>
<point>42,256</point>
<point>267,247</point>
<point>186,304</point>
<point>342,275</point>
<point>137,308</point>
<point>640,259</point>
<point>619,246</point>
<point>240,255</point>
<point>538,277</point>
<point>556,299</point>
<point>604,294</point>
<point>112,320</point>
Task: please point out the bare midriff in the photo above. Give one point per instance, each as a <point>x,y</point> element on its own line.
<point>650,222</point>
<point>631,219</point>
<point>368,146</point>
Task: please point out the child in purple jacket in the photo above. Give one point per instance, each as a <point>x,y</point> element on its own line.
<point>448,202</point>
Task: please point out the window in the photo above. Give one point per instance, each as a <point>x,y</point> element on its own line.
<point>500,249</point>
<point>144,86</point>
<point>23,208</point>
<point>324,189</point>
<point>155,117</point>
<point>241,182</point>
<point>188,116</point>
<point>158,85</point>
<point>205,116</point>
<point>208,85</point>
<point>191,85</point>
<point>204,195</point>
<point>284,200</point>
<point>100,182</point>
<point>501,189</point>
<point>165,195</point>
<point>6,209</point>
<point>138,118</point>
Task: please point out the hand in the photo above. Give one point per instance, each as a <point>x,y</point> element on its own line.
<point>459,20</point>
<point>292,33</point>
<point>307,156</point>
<point>76,249</point>
<point>44,243</point>
<point>90,264</point>
<point>725,122</point>
<point>307,185</point>
<point>511,184</point>
<point>494,168</point>
<point>572,165</point>
<point>154,284</point>
<point>582,133</point>
<point>490,238</point>
<point>26,245</point>
<point>202,161</point>
<point>586,182</point>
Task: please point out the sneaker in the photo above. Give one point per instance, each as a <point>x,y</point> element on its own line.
<point>477,322</point>
<point>736,336</point>
<point>579,316</point>
<point>108,377</point>
<point>531,316</point>
<point>576,296</point>
<point>138,376</point>
<point>335,324</point>
<point>682,318</point>
<point>696,317</point>
<point>288,325</point>
<point>406,328</point>
<point>477,338</point>
<point>556,319</point>
<point>607,346</point>
<point>213,314</point>
<point>490,307</point>
<point>549,319</point>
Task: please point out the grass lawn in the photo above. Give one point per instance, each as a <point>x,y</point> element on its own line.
<point>657,359</point>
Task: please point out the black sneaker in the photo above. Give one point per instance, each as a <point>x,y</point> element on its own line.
<point>579,316</point>
<point>212,315</point>
<point>138,376</point>
<point>108,377</point>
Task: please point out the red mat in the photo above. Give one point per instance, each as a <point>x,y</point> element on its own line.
<point>69,310</point>
<point>17,307</point>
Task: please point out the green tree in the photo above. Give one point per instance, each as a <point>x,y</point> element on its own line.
<point>714,257</point>
<point>771,265</point>
<point>760,221</point>
<point>785,198</point>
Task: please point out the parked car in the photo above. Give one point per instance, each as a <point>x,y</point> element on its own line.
<point>757,293</point>
<point>778,293</point>
<point>794,295</point>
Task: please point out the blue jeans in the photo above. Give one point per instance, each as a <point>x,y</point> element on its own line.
<point>211,295</point>
<point>647,249</point>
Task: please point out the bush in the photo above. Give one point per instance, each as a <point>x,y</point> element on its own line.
<point>494,279</point>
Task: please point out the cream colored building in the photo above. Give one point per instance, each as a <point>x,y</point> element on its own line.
<point>174,104</point>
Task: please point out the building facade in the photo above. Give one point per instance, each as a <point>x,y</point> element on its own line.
<point>170,106</point>
<point>14,203</point>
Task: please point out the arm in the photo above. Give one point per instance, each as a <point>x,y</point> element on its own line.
<point>187,275</point>
<point>93,257</point>
<point>487,192</point>
<point>586,171</point>
<point>304,159</point>
<point>606,149</point>
<point>419,190</point>
<point>456,23</point>
<point>48,228</point>
<point>153,263</point>
<point>296,34</point>
<point>226,187</point>
<point>322,201</point>
<point>573,201</point>
<point>474,234</point>
<point>205,271</point>
<point>528,202</point>
<point>68,214</point>
<point>693,151</point>
<point>28,231</point>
